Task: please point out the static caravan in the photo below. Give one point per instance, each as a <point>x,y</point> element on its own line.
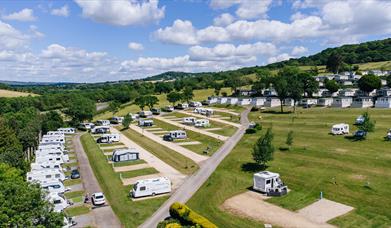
<point>195,104</point>
<point>47,152</point>
<point>39,156</point>
<point>383,102</point>
<point>347,93</point>
<point>325,101</point>
<point>340,129</point>
<point>59,202</point>
<point>342,102</point>
<point>126,154</point>
<point>151,187</point>
<point>232,100</point>
<point>202,123</point>
<point>145,123</point>
<point>117,119</point>
<point>308,101</point>
<point>86,126</point>
<point>45,165</point>
<point>46,174</point>
<point>67,130</point>
<point>270,183</point>
<point>222,100</point>
<point>244,101</point>
<point>100,130</point>
<point>272,102</point>
<point>182,106</point>
<point>258,101</point>
<point>178,134</point>
<point>53,186</point>
<point>55,133</point>
<point>213,100</point>
<point>145,114</point>
<point>108,138</point>
<point>189,120</point>
<point>270,92</point>
<point>360,93</point>
<point>289,102</point>
<point>103,122</point>
<point>362,102</point>
<point>384,92</point>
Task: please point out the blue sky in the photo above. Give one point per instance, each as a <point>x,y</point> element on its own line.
<point>97,40</point>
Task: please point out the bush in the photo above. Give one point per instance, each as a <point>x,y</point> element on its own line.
<point>258,127</point>
<point>186,215</point>
<point>283,148</point>
<point>251,131</point>
<point>254,109</point>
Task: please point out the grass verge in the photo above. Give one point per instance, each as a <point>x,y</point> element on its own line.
<point>77,210</point>
<point>138,172</point>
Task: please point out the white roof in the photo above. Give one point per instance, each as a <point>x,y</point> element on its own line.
<point>159,179</point>
<point>124,151</point>
<point>266,174</point>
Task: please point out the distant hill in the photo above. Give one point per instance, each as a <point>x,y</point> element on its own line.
<point>19,83</point>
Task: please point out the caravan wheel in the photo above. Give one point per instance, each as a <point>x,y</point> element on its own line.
<point>153,194</point>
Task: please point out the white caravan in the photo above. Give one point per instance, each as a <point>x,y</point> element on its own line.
<point>269,182</point>
<point>178,134</point>
<point>189,120</point>
<point>126,154</point>
<point>46,174</point>
<point>195,104</point>
<point>52,139</point>
<point>145,123</point>
<point>59,133</point>
<point>117,119</point>
<point>67,130</point>
<point>52,158</point>
<point>340,129</point>
<point>203,111</point>
<point>103,122</point>
<point>45,165</point>
<point>53,186</point>
<point>108,138</point>
<point>59,202</point>
<point>51,146</point>
<point>86,126</point>
<point>151,187</point>
<point>145,114</point>
<point>202,123</point>
<point>100,130</point>
<point>52,152</point>
<point>383,102</point>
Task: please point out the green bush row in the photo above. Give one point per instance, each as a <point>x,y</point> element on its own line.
<point>186,215</point>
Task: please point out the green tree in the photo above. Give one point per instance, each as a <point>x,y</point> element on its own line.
<point>263,149</point>
<point>51,121</point>
<point>368,83</point>
<point>23,204</point>
<point>217,86</point>
<point>280,84</point>
<point>151,101</point>
<point>289,138</point>
<point>309,84</point>
<point>187,94</point>
<point>389,80</point>
<point>174,97</point>
<point>80,108</point>
<point>114,106</point>
<point>332,86</point>
<point>127,120</point>
<point>11,150</point>
<point>140,102</point>
<point>334,63</point>
<point>295,89</point>
<point>368,125</point>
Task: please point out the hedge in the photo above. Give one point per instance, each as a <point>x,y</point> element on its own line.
<point>186,215</point>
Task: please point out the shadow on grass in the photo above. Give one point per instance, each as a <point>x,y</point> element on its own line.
<point>352,138</point>
<point>276,112</point>
<point>253,167</point>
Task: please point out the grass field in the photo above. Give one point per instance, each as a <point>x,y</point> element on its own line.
<point>77,210</point>
<point>131,214</point>
<point>317,160</point>
<point>10,93</point>
<point>138,172</point>
<point>127,163</point>
<point>71,182</point>
<point>172,158</point>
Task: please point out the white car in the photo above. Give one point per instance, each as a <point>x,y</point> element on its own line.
<point>98,199</point>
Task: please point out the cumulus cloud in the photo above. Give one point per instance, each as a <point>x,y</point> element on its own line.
<point>62,12</point>
<point>135,46</point>
<point>223,20</point>
<point>299,50</point>
<point>11,38</point>
<point>247,9</point>
<point>181,32</point>
<point>23,15</point>
<point>278,58</point>
<point>35,32</point>
<point>122,12</point>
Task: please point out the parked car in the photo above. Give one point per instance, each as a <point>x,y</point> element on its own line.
<point>75,174</point>
<point>168,138</point>
<point>360,120</point>
<point>360,134</point>
<point>98,199</point>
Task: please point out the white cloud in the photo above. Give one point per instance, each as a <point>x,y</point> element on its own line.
<point>247,9</point>
<point>278,58</point>
<point>135,46</point>
<point>11,38</point>
<point>299,50</point>
<point>35,32</point>
<point>181,32</point>
<point>62,12</point>
<point>223,20</point>
<point>122,12</point>
<point>23,15</point>
<point>337,13</point>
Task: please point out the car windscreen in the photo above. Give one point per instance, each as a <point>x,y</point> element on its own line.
<point>99,197</point>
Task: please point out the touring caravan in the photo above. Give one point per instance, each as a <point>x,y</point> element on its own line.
<point>178,134</point>
<point>203,111</point>
<point>202,123</point>
<point>100,130</point>
<point>53,186</point>
<point>182,106</point>
<point>45,165</point>
<point>67,130</point>
<point>86,126</point>
<point>145,114</point>
<point>52,158</point>
<point>145,123</point>
<point>195,104</point>
<point>340,129</point>
<point>270,183</point>
<point>103,122</point>
<point>117,119</point>
<point>126,154</point>
<point>50,139</point>
<point>47,174</point>
<point>58,201</point>
<point>55,133</point>
<point>189,120</point>
<point>151,187</point>
<point>52,146</point>
<point>108,138</point>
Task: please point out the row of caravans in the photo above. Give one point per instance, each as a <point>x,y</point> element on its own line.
<point>196,122</point>
<point>47,169</point>
<point>341,102</point>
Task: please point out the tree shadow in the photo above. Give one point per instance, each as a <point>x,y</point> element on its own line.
<point>253,167</point>
<point>352,138</point>
<point>276,112</point>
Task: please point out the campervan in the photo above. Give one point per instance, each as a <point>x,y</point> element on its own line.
<point>67,130</point>
<point>46,174</point>
<point>103,122</point>
<point>195,104</point>
<point>145,123</point>
<point>202,123</point>
<point>108,138</point>
<point>126,154</point>
<point>151,187</point>
<point>270,183</point>
<point>58,201</point>
<point>178,134</point>
<point>189,120</point>
<point>86,126</point>
<point>100,130</point>
<point>145,114</point>
<point>117,119</point>
<point>45,165</point>
<point>340,129</point>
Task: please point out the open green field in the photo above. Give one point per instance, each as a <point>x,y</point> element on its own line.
<point>10,93</point>
<point>206,141</point>
<point>172,158</point>
<point>130,213</point>
<point>356,173</point>
<point>131,108</point>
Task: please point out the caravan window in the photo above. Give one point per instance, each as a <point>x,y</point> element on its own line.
<point>268,181</point>
<point>56,201</point>
<point>48,176</point>
<point>56,186</point>
<point>57,176</point>
<point>143,188</point>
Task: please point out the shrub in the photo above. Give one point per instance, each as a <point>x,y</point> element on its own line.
<point>258,126</point>
<point>254,109</point>
<point>186,215</point>
<point>283,148</point>
<point>251,131</point>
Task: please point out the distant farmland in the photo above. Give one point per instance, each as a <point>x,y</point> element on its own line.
<point>10,93</point>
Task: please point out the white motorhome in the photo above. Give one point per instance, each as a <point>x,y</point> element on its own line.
<point>45,165</point>
<point>108,138</point>
<point>268,182</point>
<point>202,123</point>
<point>86,126</point>
<point>126,154</point>
<point>195,104</point>
<point>383,102</point>
<point>103,122</point>
<point>189,120</point>
<point>362,102</point>
<point>340,129</point>
<point>46,174</point>
<point>100,130</point>
<point>117,119</point>
<point>67,130</point>
<point>59,202</point>
<point>178,134</point>
<point>145,114</point>
<point>151,187</point>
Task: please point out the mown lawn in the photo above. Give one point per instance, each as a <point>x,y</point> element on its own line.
<point>138,172</point>
<point>172,158</point>
<point>71,182</point>
<point>131,214</point>
<point>127,163</point>
<point>356,173</point>
<point>77,210</point>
